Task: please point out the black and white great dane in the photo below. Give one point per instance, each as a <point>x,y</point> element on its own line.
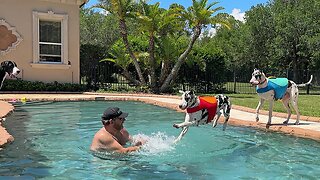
<point>8,68</point>
<point>202,110</point>
<point>267,90</point>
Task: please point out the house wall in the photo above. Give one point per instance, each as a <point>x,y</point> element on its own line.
<point>18,13</point>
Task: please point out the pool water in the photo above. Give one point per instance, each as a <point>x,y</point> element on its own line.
<point>52,141</point>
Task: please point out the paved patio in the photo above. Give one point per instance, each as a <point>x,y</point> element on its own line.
<point>240,116</point>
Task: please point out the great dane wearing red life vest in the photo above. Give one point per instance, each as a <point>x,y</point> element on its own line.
<point>271,89</point>
<point>202,110</point>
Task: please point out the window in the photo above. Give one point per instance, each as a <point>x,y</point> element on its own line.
<point>50,38</point>
<point>50,41</point>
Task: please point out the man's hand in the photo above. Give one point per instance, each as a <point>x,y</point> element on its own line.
<point>140,142</point>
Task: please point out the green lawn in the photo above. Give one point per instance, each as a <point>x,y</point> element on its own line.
<point>309,105</point>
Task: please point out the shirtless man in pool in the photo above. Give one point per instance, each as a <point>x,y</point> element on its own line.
<point>112,137</point>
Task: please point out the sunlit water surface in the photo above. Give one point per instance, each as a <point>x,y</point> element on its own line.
<point>52,142</point>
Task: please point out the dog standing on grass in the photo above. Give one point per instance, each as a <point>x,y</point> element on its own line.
<point>202,110</point>
<point>271,89</point>
<point>8,68</point>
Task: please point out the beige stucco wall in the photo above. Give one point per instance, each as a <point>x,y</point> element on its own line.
<point>18,13</point>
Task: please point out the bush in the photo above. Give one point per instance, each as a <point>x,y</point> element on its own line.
<point>21,85</point>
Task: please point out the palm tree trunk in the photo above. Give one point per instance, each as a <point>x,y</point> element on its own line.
<point>165,70</point>
<point>181,59</point>
<point>152,63</point>
<point>124,35</point>
<point>129,77</point>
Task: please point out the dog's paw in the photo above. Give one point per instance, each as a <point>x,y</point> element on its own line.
<point>257,119</point>
<point>285,122</point>
<point>176,126</point>
<point>268,125</point>
<point>296,123</point>
<point>214,124</point>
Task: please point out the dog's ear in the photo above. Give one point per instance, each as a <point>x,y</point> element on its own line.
<point>192,92</point>
<point>180,91</point>
<point>4,63</point>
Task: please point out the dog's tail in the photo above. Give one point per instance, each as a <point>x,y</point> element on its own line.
<point>306,84</point>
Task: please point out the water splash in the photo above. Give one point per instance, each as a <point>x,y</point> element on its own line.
<point>156,143</point>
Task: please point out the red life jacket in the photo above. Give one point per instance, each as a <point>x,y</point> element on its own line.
<point>206,102</point>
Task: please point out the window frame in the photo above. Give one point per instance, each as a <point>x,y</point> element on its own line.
<point>50,16</point>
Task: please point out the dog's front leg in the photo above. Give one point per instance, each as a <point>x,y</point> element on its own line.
<point>183,132</point>
<point>270,112</point>
<point>184,124</point>
<point>261,101</point>
<point>187,119</point>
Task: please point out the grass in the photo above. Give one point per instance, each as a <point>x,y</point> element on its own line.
<point>308,104</point>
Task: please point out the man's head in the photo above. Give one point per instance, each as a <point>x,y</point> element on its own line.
<point>113,115</point>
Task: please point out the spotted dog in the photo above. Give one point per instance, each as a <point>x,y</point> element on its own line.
<point>271,89</point>
<point>202,110</point>
<point>8,68</point>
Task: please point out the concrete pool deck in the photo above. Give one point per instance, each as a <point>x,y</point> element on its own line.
<point>240,116</point>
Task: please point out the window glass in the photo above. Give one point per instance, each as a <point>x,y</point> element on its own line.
<point>50,41</point>
<point>50,52</point>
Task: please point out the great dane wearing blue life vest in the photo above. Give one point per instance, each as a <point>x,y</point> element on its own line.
<point>271,89</point>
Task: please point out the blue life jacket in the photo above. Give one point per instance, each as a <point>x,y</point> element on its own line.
<point>278,85</point>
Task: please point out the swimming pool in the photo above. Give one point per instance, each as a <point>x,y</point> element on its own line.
<point>52,142</point>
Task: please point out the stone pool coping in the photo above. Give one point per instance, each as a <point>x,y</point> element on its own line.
<point>240,116</point>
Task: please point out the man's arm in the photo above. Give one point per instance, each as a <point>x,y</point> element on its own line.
<point>128,138</point>
<point>113,146</point>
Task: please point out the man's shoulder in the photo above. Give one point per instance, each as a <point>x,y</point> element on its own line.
<point>103,134</point>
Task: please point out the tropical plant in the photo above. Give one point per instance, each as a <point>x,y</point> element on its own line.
<point>123,9</point>
<point>198,16</point>
<point>159,24</point>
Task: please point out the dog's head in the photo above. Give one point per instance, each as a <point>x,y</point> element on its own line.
<point>258,77</point>
<point>10,67</point>
<point>188,99</point>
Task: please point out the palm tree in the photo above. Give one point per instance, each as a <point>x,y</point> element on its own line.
<point>154,22</point>
<point>123,9</point>
<point>198,16</point>
<point>159,23</point>
<point>121,59</point>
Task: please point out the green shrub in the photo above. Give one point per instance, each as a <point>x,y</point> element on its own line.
<point>21,85</point>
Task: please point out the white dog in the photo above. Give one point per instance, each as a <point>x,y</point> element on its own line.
<point>271,89</point>
<point>202,110</point>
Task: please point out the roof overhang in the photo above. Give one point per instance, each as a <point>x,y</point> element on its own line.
<point>83,2</point>
<point>80,3</point>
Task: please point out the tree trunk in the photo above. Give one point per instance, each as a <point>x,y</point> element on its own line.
<point>124,35</point>
<point>152,62</point>
<point>129,77</point>
<point>181,59</point>
<point>165,70</point>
